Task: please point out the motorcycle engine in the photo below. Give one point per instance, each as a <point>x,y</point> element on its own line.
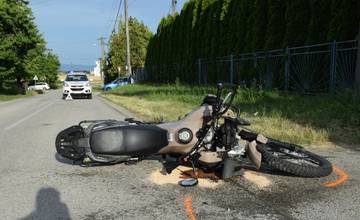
<point>227,135</point>
<point>230,140</point>
<point>208,139</point>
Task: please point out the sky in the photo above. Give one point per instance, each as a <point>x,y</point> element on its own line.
<point>72,27</point>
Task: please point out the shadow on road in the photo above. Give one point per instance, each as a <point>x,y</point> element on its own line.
<point>48,206</point>
<point>61,159</point>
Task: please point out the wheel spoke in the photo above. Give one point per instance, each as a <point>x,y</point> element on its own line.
<point>296,157</point>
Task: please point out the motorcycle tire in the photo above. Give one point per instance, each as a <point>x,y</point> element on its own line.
<point>294,159</point>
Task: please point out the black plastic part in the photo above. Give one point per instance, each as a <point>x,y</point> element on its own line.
<point>131,140</point>
<point>237,121</point>
<point>66,143</point>
<point>209,99</point>
<point>249,136</point>
<point>227,135</point>
<point>169,166</point>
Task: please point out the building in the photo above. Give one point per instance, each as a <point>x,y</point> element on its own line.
<point>79,72</point>
<point>97,68</point>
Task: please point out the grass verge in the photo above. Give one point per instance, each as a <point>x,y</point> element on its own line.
<point>12,97</point>
<point>302,119</point>
<point>10,91</point>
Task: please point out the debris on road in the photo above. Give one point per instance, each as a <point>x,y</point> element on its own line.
<point>177,175</point>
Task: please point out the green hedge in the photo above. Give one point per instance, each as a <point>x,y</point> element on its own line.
<point>215,28</point>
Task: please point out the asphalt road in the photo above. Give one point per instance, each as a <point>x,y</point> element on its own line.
<point>35,184</point>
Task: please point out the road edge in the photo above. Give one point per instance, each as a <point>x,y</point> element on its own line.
<point>116,107</point>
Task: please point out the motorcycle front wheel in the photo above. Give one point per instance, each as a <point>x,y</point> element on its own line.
<point>294,159</point>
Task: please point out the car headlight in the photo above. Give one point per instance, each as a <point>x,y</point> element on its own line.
<point>87,84</point>
<point>66,84</point>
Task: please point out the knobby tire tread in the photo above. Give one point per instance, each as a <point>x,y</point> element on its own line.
<point>324,169</point>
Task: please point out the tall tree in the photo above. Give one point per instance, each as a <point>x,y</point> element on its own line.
<point>22,46</point>
<point>140,36</point>
<point>225,36</point>
<point>276,26</point>
<point>247,9</point>
<point>345,18</point>
<point>297,18</point>
<point>260,24</point>
<point>212,28</point>
<point>319,21</point>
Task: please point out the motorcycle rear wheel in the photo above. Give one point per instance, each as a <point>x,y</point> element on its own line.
<point>294,159</point>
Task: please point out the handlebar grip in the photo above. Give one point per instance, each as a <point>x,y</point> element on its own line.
<point>219,87</point>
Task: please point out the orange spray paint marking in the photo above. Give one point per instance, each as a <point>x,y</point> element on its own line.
<point>188,207</point>
<point>343,177</point>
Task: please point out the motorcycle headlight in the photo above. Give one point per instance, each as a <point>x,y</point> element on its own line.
<point>185,136</point>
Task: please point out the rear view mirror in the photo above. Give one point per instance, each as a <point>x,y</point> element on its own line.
<point>188,182</point>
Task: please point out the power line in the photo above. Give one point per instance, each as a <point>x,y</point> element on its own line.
<point>112,15</point>
<point>117,17</point>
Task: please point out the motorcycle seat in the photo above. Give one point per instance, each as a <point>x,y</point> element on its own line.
<point>131,140</point>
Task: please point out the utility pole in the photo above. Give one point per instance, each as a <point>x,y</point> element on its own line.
<point>102,61</point>
<point>173,6</point>
<point>128,61</point>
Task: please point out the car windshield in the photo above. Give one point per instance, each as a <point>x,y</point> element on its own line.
<point>76,78</point>
<point>120,80</point>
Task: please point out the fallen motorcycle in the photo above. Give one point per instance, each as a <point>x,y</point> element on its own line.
<point>212,137</point>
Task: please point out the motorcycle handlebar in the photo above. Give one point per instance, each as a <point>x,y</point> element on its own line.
<point>218,99</point>
<point>219,88</point>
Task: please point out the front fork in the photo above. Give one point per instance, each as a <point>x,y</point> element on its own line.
<point>249,149</point>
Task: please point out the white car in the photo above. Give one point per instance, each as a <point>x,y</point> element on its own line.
<point>39,86</point>
<point>77,84</point>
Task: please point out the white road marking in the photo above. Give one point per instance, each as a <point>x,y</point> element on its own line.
<point>27,117</point>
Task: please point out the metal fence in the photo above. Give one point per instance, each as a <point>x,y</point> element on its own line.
<point>316,68</point>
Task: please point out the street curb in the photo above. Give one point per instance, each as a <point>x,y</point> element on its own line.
<point>116,107</point>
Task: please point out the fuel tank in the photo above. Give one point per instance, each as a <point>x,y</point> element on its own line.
<point>131,140</point>
<point>192,122</point>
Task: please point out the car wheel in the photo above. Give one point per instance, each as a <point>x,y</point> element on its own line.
<point>90,96</point>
